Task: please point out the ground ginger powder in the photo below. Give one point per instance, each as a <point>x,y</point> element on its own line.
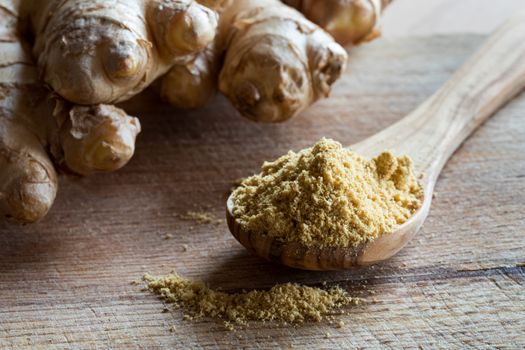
<point>290,303</point>
<point>327,196</point>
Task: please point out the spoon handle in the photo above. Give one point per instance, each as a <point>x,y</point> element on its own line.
<point>490,78</point>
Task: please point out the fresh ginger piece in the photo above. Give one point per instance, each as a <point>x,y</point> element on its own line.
<point>28,181</point>
<point>34,122</point>
<point>104,51</point>
<point>348,21</point>
<point>276,63</point>
<point>192,84</point>
<point>98,138</point>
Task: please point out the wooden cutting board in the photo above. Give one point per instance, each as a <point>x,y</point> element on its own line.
<point>66,281</point>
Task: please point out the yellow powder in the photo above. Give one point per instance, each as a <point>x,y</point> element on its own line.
<point>291,303</point>
<point>327,195</point>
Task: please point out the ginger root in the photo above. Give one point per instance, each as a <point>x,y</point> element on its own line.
<point>276,62</point>
<point>100,51</point>
<point>39,131</point>
<point>193,83</point>
<point>267,58</point>
<point>348,21</point>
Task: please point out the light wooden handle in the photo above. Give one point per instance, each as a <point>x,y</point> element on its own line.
<point>490,78</point>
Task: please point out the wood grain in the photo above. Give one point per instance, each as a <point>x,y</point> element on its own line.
<point>65,282</point>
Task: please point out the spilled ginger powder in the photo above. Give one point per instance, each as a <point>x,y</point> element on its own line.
<point>327,196</point>
<point>291,303</point>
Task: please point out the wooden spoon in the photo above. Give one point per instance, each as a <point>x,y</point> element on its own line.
<point>429,135</point>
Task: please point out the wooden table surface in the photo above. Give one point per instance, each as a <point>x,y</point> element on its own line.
<point>66,281</point>
<point>430,17</point>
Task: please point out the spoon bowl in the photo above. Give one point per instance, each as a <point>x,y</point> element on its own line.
<point>429,136</point>
<point>297,255</point>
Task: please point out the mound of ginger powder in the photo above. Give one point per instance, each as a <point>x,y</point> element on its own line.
<point>327,196</point>
<point>283,303</point>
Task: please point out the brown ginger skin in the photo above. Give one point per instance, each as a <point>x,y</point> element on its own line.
<point>38,131</point>
<point>348,21</point>
<point>98,138</point>
<point>276,62</point>
<point>99,51</point>
<point>191,84</point>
